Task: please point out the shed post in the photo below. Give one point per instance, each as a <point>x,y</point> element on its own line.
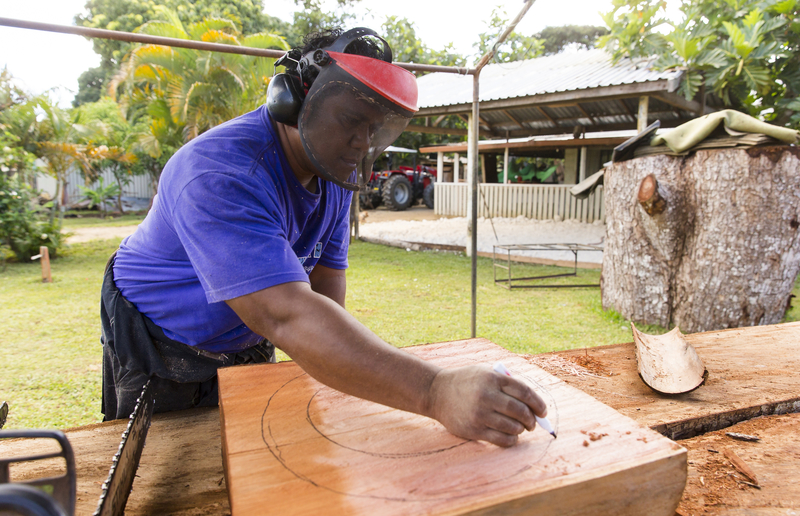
<point>505,167</point>
<point>582,171</point>
<point>439,167</point>
<point>456,163</point>
<point>641,120</point>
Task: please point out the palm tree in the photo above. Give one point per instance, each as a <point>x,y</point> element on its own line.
<point>200,89</point>
<point>64,143</point>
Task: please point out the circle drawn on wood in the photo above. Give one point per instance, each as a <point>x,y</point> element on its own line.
<point>358,448</point>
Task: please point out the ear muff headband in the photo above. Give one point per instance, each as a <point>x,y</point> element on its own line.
<point>286,91</point>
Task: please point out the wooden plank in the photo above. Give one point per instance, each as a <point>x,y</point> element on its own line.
<point>751,372</point>
<point>306,449</point>
<point>716,487</point>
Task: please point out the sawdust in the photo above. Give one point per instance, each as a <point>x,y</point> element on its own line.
<point>556,364</point>
<point>591,364</point>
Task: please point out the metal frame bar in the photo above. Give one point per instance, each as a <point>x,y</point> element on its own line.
<point>233,49</point>
<point>509,282</point>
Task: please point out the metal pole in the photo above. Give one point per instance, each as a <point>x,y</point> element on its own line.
<point>473,150</point>
<point>147,39</point>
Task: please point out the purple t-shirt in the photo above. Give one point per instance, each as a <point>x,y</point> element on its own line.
<point>230,218</point>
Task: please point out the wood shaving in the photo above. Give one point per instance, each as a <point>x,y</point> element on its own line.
<point>554,363</point>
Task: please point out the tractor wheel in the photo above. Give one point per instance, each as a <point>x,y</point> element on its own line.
<point>427,196</point>
<point>397,193</point>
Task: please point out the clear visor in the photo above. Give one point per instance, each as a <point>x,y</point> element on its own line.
<point>344,126</point>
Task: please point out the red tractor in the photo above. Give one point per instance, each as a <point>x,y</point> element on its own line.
<point>401,187</point>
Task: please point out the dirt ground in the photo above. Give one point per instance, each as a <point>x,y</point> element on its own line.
<point>380,214</point>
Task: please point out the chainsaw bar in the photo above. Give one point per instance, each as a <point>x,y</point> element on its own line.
<point>126,461</point>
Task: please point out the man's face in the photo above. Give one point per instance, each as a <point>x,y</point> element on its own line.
<point>340,130</point>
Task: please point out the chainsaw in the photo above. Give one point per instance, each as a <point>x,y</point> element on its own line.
<point>55,496</point>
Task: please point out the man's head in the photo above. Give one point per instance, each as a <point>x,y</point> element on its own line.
<point>347,100</point>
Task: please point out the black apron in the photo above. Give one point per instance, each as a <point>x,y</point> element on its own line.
<point>135,349</point>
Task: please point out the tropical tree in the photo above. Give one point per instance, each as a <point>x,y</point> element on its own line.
<point>17,130</point>
<point>401,35</point>
<point>117,142</point>
<point>65,143</point>
<point>556,39</point>
<point>311,17</point>
<point>746,51</point>
<point>515,47</point>
<point>128,15</point>
<point>201,89</point>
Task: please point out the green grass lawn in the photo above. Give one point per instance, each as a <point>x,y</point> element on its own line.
<point>80,219</point>
<point>50,339</point>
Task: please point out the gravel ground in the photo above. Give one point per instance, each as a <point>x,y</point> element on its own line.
<point>499,231</point>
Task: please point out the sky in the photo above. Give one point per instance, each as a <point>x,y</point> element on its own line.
<point>41,60</point>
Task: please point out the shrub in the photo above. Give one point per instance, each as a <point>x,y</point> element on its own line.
<point>23,229</point>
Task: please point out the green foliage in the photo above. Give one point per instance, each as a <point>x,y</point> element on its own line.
<point>23,228</point>
<point>100,194</point>
<point>14,159</point>
<point>401,35</point>
<point>529,170</point>
<point>745,51</point>
<point>189,90</point>
<point>129,15</point>
<point>311,17</point>
<point>17,129</point>
<point>556,39</point>
<point>632,28</point>
<point>515,47</point>
<point>91,85</point>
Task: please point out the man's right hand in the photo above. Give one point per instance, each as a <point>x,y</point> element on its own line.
<point>474,402</point>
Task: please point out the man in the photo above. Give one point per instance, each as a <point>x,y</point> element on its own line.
<point>247,241</point>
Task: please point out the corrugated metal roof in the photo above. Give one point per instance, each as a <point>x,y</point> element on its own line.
<point>567,71</point>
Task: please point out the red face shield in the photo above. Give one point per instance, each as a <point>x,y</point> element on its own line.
<point>356,107</point>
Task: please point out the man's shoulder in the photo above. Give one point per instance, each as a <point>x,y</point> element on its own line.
<point>232,148</point>
<point>249,135</point>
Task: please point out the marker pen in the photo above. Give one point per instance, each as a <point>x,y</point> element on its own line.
<point>542,421</point>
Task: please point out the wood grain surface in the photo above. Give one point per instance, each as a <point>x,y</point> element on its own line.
<point>303,448</point>
<point>716,486</point>
<point>751,372</point>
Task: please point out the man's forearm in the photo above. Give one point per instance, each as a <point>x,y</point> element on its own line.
<point>337,350</point>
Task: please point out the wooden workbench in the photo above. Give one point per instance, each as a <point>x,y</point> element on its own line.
<point>752,371</point>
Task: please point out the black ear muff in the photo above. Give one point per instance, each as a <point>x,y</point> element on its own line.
<point>284,98</point>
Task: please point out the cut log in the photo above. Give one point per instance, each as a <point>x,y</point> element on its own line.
<point>667,363</point>
<point>713,241</point>
<point>324,452</point>
<point>649,197</point>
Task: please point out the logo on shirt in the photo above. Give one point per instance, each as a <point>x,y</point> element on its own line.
<point>316,254</point>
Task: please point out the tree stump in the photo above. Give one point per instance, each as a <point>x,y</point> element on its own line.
<point>703,242</point>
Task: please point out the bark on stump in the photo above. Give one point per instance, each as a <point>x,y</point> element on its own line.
<point>709,241</point>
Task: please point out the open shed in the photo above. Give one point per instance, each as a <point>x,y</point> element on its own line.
<point>576,106</point>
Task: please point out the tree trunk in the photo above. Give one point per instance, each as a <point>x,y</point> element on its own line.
<point>704,242</point>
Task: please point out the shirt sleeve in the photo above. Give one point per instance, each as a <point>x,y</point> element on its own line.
<point>234,234</point>
<point>334,255</point>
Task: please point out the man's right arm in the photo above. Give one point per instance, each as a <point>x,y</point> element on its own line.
<point>334,348</point>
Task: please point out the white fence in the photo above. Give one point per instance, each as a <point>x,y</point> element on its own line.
<point>138,187</point>
<point>512,200</point>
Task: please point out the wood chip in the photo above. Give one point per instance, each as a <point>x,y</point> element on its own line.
<point>743,437</point>
<point>740,465</point>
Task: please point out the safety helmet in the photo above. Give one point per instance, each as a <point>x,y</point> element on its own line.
<point>347,107</point>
